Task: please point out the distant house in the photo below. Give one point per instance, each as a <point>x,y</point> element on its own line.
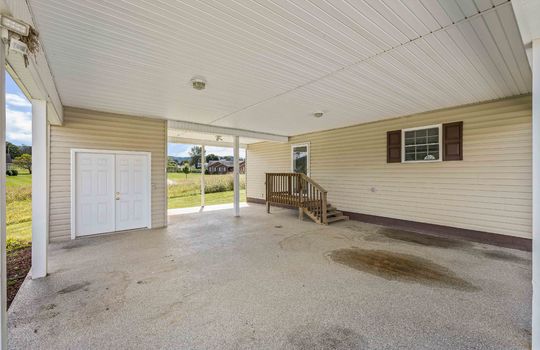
<point>224,167</point>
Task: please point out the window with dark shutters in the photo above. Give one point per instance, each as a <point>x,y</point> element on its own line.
<point>453,141</point>
<point>393,146</point>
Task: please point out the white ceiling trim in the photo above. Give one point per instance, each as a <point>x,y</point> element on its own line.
<point>219,130</point>
<point>188,141</point>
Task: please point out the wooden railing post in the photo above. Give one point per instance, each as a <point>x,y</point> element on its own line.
<point>324,204</point>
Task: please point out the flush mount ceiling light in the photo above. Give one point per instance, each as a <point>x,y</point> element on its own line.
<point>219,138</point>
<point>318,114</point>
<point>198,83</point>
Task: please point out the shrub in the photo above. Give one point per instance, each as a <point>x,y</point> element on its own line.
<point>14,172</point>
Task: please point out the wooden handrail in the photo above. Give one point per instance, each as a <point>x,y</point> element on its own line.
<point>297,190</point>
<point>311,181</point>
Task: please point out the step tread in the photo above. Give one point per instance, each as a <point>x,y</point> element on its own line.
<point>337,218</point>
<point>334,213</point>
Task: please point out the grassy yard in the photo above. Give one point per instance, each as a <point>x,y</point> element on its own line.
<point>18,211</point>
<point>184,192</point>
<point>210,199</point>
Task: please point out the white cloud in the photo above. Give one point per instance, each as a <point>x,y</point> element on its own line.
<point>19,127</point>
<point>16,100</point>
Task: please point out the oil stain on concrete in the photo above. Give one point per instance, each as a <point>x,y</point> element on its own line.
<point>505,256</point>
<point>73,288</point>
<point>332,337</point>
<point>399,267</point>
<point>420,239</point>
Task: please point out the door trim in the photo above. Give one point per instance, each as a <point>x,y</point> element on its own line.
<point>307,145</point>
<point>74,151</point>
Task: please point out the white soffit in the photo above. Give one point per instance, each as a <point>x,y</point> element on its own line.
<point>271,63</point>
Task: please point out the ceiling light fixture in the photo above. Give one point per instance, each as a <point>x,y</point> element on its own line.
<point>198,83</point>
<point>219,138</point>
<point>318,114</point>
<point>15,25</point>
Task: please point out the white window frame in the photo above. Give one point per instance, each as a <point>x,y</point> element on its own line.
<point>306,144</point>
<point>421,128</point>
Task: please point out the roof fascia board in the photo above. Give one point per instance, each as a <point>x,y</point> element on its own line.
<point>527,13</point>
<point>36,80</point>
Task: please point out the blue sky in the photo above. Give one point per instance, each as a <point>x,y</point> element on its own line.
<point>18,115</point>
<point>19,124</point>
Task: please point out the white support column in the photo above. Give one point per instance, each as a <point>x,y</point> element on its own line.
<point>203,159</point>
<point>40,186</point>
<point>536,194</point>
<point>236,176</point>
<point>3,272</point>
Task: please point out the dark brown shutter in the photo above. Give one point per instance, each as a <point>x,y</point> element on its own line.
<point>453,141</point>
<point>393,146</point>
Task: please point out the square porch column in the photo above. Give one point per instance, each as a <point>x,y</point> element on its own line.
<point>203,159</point>
<point>3,272</point>
<point>236,176</point>
<point>40,189</point>
<point>536,193</point>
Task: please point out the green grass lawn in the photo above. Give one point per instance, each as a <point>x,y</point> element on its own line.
<point>18,211</point>
<point>210,199</point>
<point>19,180</point>
<point>184,192</point>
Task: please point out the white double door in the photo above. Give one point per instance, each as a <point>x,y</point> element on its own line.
<point>111,192</point>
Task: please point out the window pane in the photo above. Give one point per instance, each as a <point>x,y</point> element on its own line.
<point>422,144</point>
<point>421,140</point>
<point>433,132</point>
<point>433,139</point>
<point>300,155</point>
<point>422,132</point>
<point>421,155</point>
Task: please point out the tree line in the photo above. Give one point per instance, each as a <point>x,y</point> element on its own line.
<point>21,156</point>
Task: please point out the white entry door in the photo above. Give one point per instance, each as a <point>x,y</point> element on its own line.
<point>94,187</point>
<point>131,191</point>
<point>111,192</point>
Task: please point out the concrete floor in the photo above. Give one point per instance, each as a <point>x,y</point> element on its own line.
<point>212,281</point>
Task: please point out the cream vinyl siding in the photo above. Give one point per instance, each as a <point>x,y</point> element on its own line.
<point>489,190</point>
<point>95,130</point>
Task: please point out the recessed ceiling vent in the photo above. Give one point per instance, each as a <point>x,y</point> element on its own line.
<point>198,83</point>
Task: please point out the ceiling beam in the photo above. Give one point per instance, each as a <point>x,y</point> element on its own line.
<point>36,81</point>
<point>189,141</point>
<point>220,130</point>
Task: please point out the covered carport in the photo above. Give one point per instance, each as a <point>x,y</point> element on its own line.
<point>253,88</point>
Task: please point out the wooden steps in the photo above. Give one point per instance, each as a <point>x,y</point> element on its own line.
<point>334,215</point>
<point>300,191</point>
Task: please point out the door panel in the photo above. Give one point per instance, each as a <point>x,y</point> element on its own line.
<point>94,187</point>
<point>131,191</point>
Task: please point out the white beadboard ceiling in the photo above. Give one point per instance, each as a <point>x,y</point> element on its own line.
<point>271,63</point>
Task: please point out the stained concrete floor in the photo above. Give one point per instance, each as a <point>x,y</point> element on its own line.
<point>212,281</point>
